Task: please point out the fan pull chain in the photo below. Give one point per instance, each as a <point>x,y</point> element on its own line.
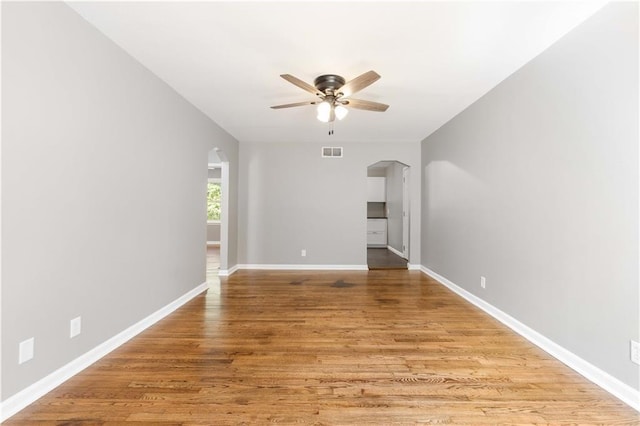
<point>331,130</point>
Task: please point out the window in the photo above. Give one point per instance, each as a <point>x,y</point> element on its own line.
<point>214,198</point>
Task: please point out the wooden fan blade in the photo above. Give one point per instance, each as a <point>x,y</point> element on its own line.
<point>358,83</point>
<point>294,105</point>
<point>368,105</point>
<point>301,84</point>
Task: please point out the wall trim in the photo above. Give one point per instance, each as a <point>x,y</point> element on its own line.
<point>213,243</point>
<point>22,399</point>
<point>304,267</point>
<point>615,387</point>
<point>414,267</point>
<point>227,272</point>
<point>396,252</point>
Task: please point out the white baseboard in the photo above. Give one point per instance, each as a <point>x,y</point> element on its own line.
<point>17,402</point>
<point>300,267</point>
<point>396,252</point>
<point>227,272</point>
<point>213,243</point>
<point>414,267</point>
<point>620,390</point>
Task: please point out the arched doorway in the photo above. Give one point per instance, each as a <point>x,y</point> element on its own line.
<point>217,213</point>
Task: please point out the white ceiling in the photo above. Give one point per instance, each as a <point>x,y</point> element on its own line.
<point>435,58</point>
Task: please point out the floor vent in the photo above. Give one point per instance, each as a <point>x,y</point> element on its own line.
<point>331,152</point>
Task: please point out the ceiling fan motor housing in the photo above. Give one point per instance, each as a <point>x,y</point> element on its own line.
<point>335,93</point>
<point>329,82</point>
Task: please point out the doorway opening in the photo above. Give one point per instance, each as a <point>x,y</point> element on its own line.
<point>217,207</point>
<point>388,215</point>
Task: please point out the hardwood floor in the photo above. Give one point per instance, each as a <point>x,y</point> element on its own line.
<point>213,263</point>
<point>376,347</point>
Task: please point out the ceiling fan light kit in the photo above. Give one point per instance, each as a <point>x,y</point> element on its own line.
<point>334,93</point>
<point>341,112</point>
<point>324,111</point>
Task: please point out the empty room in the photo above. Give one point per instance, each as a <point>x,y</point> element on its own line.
<point>343,212</point>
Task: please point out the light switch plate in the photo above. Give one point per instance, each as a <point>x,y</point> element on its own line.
<point>635,352</point>
<point>25,350</point>
<point>75,326</point>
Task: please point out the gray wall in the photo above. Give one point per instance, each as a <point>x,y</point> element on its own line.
<point>535,186</point>
<point>394,205</point>
<point>213,232</point>
<point>213,157</point>
<point>229,248</point>
<point>292,199</point>
<point>84,130</point>
<point>214,173</point>
<point>377,171</point>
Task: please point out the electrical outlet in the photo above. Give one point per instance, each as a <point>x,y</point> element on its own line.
<point>635,352</point>
<point>483,282</point>
<point>303,252</point>
<point>75,326</point>
<point>25,350</point>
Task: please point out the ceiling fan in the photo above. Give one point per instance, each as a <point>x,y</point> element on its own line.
<point>335,95</point>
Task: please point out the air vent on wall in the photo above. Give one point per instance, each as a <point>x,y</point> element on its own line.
<point>331,152</point>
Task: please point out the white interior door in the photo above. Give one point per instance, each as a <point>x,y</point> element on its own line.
<point>405,213</point>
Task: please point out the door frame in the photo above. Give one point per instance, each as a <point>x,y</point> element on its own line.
<point>224,208</point>
<point>405,211</point>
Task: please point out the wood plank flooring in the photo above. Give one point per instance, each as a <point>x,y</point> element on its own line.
<point>370,347</point>
<point>213,263</point>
